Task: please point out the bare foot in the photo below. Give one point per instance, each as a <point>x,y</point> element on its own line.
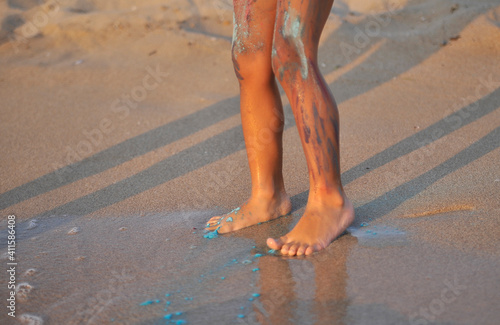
<point>254,211</point>
<point>316,229</point>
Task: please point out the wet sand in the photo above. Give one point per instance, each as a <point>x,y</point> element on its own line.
<point>121,136</point>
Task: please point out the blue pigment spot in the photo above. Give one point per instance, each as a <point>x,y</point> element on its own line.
<point>178,313</point>
<point>145,303</point>
<point>256,269</point>
<point>229,219</point>
<point>256,295</point>
<point>364,224</point>
<point>258,255</point>
<point>222,277</point>
<point>167,295</point>
<point>168,303</point>
<point>271,251</point>
<point>212,234</point>
<point>242,307</point>
<point>169,316</point>
<point>250,299</point>
<point>180,322</point>
<point>241,316</point>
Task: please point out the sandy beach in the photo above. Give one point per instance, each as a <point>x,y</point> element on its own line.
<point>121,136</point>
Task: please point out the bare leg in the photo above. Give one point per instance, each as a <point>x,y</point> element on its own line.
<point>261,116</point>
<point>328,212</point>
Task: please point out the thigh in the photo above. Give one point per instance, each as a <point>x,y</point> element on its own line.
<point>253,24</point>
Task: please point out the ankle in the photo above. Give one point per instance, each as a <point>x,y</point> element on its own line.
<point>329,196</point>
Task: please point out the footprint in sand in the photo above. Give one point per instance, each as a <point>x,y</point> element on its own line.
<point>22,291</point>
<point>27,319</point>
<point>74,231</point>
<point>33,224</point>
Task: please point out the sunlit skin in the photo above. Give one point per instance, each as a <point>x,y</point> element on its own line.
<point>279,40</point>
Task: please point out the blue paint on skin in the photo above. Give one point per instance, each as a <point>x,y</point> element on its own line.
<point>256,269</point>
<point>229,219</point>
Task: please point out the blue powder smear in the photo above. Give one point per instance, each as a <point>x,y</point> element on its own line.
<point>256,295</point>
<point>271,251</point>
<point>178,313</point>
<point>229,219</point>
<point>256,269</point>
<point>364,224</point>
<point>169,316</point>
<point>145,303</point>
<point>241,316</point>
<point>258,255</point>
<point>212,234</point>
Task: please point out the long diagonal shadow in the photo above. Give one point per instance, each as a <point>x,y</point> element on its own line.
<point>441,128</point>
<point>395,197</point>
<point>122,152</point>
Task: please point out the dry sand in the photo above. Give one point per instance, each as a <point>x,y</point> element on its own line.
<point>121,136</point>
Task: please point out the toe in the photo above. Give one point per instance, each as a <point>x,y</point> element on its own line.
<point>213,221</point>
<point>301,250</point>
<point>309,250</point>
<point>292,251</point>
<point>275,244</point>
<point>285,248</point>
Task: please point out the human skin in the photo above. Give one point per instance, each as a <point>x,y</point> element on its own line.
<point>279,40</point>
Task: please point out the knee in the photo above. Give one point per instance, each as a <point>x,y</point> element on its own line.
<point>289,55</point>
<point>251,65</point>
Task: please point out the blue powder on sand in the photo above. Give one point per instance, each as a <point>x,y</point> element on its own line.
<point>242,307</point>
<point>222,277</point>
<point>241,316</point>
<point>157,301</point>
<point>212,234</point>
<point>364,224</point>
<point>250,299</point>
<point>169,316</point>
<point>168,303</point>
<point>256,295</point>
<point>180,322</point>
<point>229,219</point>
<point>167,295</point>
<point>258,255</point>
<point>178,313</point>
<point>145,303</point>
<point>256,269</point>
<point>271,251</point>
